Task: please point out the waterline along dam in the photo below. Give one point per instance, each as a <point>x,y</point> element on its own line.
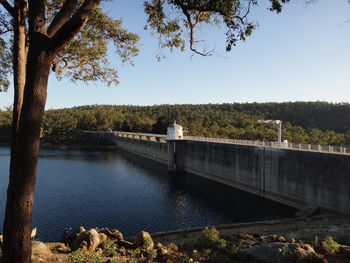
<point>297,175</point>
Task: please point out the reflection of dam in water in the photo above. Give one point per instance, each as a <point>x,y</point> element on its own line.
<point>123,191</point>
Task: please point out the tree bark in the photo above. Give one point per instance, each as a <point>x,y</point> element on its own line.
<point>19,67</point>
<point>20,193</point>
<point>28,119</point>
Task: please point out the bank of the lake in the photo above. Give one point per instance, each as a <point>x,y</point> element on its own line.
<point>322,238</point>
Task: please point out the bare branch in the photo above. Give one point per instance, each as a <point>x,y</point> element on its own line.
<point>73,25</point>
<point>62,16</point>
<point>192,26</point>
<point>8,7</point>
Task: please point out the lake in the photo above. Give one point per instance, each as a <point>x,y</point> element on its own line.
<point>117,190</point>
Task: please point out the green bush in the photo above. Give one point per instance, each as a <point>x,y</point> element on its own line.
<point>209,238</point>
<point>330,245</point>
<point>110,248</point>
<point>284,249</point>
<point>222,243</point>
<point>78,256</point>
<point>236,252</point>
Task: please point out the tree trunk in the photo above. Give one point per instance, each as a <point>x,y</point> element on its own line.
<point>19,69</point>
<point>20,193</point>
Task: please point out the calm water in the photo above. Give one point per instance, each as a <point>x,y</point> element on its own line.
<point>105,188</point>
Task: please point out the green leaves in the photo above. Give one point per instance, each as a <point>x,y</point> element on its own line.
<point>85,58</point>
<point>176,21</point>
<point>5,51</point>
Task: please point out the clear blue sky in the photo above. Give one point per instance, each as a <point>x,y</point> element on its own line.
<point>302,54</point>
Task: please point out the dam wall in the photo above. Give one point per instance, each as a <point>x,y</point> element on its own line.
<point>155,150</point>
<point>295,177</point>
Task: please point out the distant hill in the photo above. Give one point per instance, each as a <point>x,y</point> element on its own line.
<point>303,122</point>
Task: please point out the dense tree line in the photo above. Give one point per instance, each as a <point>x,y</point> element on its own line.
<point>303,122</point>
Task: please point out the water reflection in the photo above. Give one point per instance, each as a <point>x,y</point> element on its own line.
<point>107,188</point>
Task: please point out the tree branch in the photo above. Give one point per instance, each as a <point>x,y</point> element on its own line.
<point>36,15</point>
<point>192,25</point>
<point>212,6</point>
<point>8,7</point>
<point>62,16</point>
<point>73,25</point>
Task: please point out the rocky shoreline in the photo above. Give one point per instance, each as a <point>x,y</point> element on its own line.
<point>324,238</point>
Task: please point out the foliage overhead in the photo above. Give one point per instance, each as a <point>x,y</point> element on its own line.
<point>85,58</point>
<point>174,22</point>
<point>5,53</point>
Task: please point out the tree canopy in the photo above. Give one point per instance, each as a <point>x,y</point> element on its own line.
<point>174,22</point>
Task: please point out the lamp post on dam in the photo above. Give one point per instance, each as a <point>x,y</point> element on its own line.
<point>174,133</point>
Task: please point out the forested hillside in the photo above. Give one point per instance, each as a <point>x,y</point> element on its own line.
<point>303,122</point>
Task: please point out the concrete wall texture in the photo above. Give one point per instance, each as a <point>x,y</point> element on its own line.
<point>157,151</point>
<point>293,177</point>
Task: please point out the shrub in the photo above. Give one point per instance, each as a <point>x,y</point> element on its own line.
<point>222,243</point>
<point>110,248</point>
<point>330,245</point>
<point>78,256</point>
<point>147,243</point>
<point>209,238</point>
<point>237,253</point>
<point>284,249</point>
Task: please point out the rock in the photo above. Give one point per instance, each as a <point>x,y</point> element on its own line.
<point>250,242</point>
<point>159,245</point>
<point>273,237</point>
<point>87,240</point>
<point>113,234</point>
<point>144,240</point>
<point>284,253</point>
<point>69,236</point>
<point>1,239</point>
<point>344,251</point>
<point>281,239</point>
<point>122,251</point>
<point>103,237</point>
<point>162,251</point>
<point>246,236</point>
<point>264,239</point>
<point>59,247</point>
<point>40,249</point>
<point>126,244</point>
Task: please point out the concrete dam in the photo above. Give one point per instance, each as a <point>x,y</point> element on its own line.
<point>293,174</point>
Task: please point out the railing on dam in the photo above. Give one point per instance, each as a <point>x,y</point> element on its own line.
<point>284,145</point>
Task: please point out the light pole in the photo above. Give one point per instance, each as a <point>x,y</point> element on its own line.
<point>277,124</point>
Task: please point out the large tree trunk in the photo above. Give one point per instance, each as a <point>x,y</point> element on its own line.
<point>28,119</point>
<point>20,193</point>
<point>19,68</point>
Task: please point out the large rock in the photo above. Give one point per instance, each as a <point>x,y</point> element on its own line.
<point>87,240</point>
<point>284,253</point>
<point>57,247</point>
<point>69,236</point>
<point>40,249</point>
<point>113,234</point>
<point>144,240</point>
